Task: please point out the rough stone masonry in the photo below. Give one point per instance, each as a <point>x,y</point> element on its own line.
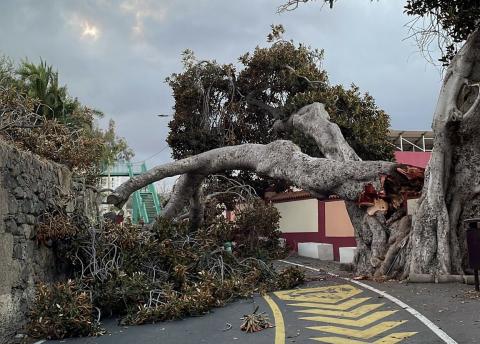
<point>29,187</point>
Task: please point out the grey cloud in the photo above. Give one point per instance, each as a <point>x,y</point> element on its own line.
<point>123,74</point>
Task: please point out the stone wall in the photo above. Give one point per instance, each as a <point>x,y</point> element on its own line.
<point>29,186</point>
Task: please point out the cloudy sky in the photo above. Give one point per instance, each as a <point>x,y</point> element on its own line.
<point>114,55</point>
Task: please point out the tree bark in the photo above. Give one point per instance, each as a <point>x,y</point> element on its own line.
<point>280,160</point>
<point>185,190</point>
<point>342,174</point>
<point>314,121</point>
<point>449,195</point>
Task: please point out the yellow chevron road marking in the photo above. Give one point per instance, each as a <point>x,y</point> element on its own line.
<point>334,288</point>
<point>354,313</point>
<point>330,295</point>
<point>371,318</point>
<point>350,320</point>
<point>362,334</point>
<point>341,306</point>
<point>390,339</point>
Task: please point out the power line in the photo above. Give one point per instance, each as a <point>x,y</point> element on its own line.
<point>142,161</point>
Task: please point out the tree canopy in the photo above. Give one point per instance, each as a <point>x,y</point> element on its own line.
<point>449,22</point>
<point>220,105</point>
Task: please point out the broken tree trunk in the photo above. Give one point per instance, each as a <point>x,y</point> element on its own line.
<point>379,219</point>
<point>342,174</point>
<point>389,242</point>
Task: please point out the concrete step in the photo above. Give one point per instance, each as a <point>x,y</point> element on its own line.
<point>316,250</point>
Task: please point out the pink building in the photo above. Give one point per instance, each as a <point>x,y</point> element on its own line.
<point>412,147</point>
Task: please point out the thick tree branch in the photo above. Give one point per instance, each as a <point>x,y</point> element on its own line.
<point>461,72</point>
<point>197,207</point>
<point>314,121</point>
<point>279,160</point>
<point>184,189</point>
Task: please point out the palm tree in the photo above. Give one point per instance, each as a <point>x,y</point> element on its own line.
<point>41,82</point>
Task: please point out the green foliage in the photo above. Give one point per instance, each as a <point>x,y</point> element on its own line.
<point>219,105</point>
<point>114,148</point>
<point>54,226</point>
<point>62,310</point>
<point>291,277</point>
<point>256,231</point>
<point>40,82</point>
<point>216,105</point>
<point>154,274</point>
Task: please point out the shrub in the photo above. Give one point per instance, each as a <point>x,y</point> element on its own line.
<point>290,278</point>
<point>257,231</point>
<point>54,226</point>
<point>62,310</point>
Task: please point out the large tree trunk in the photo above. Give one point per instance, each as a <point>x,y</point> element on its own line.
<point>433,241</point>
<point>451,186</point>
<point>390,243</point>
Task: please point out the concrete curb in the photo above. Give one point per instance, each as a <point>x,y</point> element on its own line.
<point>431,278</point>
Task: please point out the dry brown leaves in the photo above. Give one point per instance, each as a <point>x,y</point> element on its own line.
<point>61,310</point>
<point>54,226</point>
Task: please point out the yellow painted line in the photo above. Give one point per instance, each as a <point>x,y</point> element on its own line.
<point>371,318</point>
<point>362,334</point>
<point>329,295</point>
<point>394,338</point>
<point>390,339</point>
<point>334,288</point>
<point>279,323</point>
<point>354,313</point>
<point>340,307</point>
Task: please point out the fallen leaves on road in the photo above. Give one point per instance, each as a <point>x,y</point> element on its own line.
<point>255,322</point>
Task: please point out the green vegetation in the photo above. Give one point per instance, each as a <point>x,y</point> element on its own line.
<point>39,115</point>
<point>217,105</point>
<point>63,310</point>
<point>449,22</point>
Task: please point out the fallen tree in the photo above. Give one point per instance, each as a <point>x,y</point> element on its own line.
<point>163,272</point>
<point>389,245</point>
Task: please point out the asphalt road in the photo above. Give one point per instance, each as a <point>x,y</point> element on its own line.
<point>329,310</point>
<point>209,329</point>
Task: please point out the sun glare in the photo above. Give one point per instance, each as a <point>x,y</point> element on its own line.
<point>90,31</point>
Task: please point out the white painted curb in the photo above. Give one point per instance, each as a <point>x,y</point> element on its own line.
<point>434,328</point>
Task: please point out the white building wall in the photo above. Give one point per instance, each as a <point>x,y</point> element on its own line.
<point>298,216</point>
